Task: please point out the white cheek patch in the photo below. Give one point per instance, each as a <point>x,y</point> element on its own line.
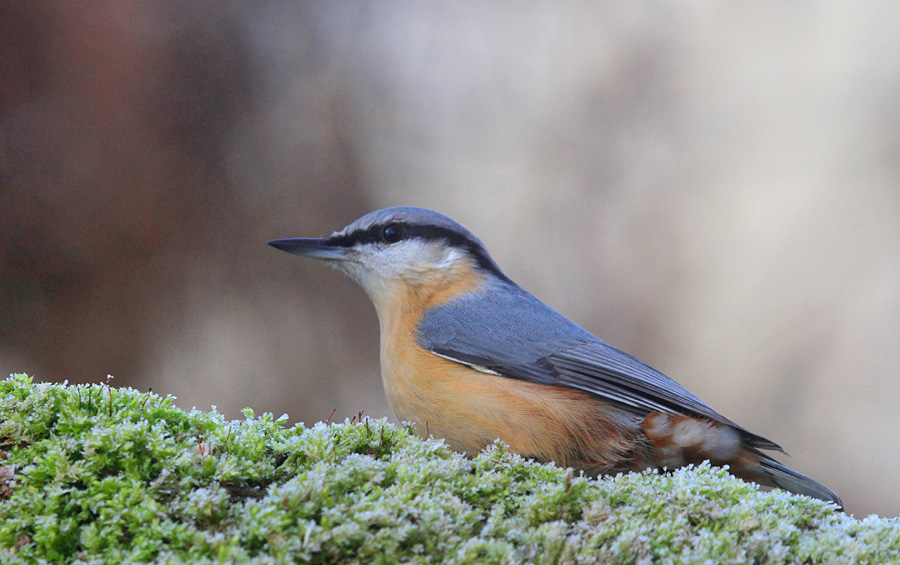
<point>414,258</point>
<point>378,267</point>
<point>450,258</point>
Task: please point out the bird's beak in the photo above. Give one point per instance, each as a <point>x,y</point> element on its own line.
<point>310,247</point>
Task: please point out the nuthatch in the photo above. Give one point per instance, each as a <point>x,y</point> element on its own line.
<point>472,357</point>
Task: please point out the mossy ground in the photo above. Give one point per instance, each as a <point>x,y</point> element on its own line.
<point>96,474</point>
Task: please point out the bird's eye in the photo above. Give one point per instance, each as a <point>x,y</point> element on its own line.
<point>391,233</point>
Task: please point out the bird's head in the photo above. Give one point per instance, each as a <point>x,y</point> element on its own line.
<point>401,250</point>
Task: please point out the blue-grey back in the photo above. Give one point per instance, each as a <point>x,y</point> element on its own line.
<point>507,330</point>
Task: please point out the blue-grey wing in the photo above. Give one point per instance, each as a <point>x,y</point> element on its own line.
<point>515,335</point>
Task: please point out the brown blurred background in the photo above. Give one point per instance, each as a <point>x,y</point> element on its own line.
<point>713,189</point>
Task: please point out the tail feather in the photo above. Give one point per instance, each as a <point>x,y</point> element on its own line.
<point>775,474</point>
<point>677,439</point>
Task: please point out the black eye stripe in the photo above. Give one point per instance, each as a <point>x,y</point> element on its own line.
<point>375,234</point>
<point>371,235</point>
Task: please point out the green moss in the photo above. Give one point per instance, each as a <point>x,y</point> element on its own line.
<point>104,475</point>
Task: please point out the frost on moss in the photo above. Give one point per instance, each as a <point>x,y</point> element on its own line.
<point>90,473</point>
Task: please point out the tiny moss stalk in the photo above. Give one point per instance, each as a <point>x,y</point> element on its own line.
<point>143,481</point>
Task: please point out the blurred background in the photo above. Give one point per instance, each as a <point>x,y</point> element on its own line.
<point>714,189</point>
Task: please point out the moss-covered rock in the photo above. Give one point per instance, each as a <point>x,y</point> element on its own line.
<point>105,475</point>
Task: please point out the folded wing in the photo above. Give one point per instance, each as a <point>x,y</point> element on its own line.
<point>519,337</point>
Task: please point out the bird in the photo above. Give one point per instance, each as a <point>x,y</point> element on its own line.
<point>471,357</point>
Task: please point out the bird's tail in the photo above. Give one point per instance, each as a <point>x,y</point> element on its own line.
<point>772,473</point>
<point>677,439</point>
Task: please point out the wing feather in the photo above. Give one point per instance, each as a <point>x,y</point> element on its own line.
<point>515,335</point>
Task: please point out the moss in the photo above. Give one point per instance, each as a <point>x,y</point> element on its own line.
<point>90,473</point>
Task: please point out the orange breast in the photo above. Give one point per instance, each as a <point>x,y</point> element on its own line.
<point>470,409</point>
